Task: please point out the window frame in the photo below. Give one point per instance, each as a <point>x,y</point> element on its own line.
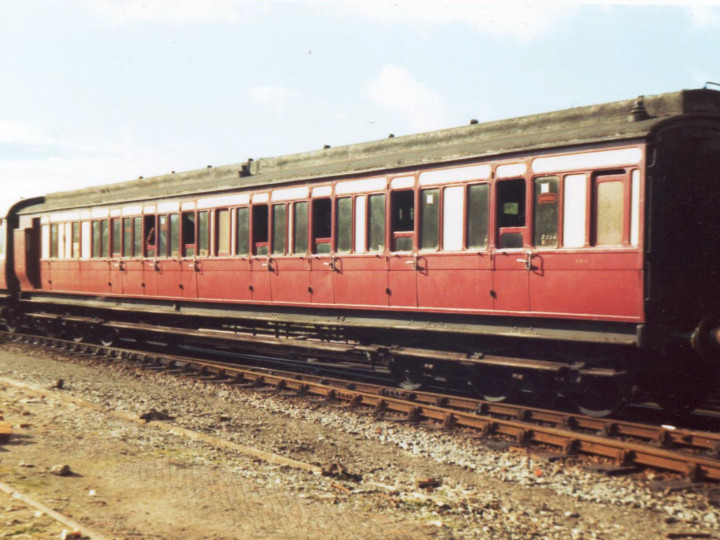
<point>315,239</point>
<point>281,208</point>
<point>349,225</point>
<point>257,245</point>
<point>215,229</point>
<point>624,177</point>
<point>401,234</point>
<point>524,229</point>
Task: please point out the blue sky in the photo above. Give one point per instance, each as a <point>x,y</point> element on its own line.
<point>99,91</point>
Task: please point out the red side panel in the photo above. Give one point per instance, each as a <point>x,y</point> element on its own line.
<point>510,287</point>
<point>321,279</point>
<point>224,279</point>
<point>27,258</point>
<point>62,275</point>
<point>402,281</point>
<point>289,280</point>
<point>133,277</point>
<point>260,286</point>
<point>602,284</point>
<point>360,280</point>
<point>168,278</point>
<point>189,269</point>
<point>460,281</point>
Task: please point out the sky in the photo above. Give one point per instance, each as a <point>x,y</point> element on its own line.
<point>101,91</point>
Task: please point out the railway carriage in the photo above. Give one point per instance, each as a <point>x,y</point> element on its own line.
<point>573,252</point>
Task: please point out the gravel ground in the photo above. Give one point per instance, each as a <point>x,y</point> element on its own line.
<point>153,484</point>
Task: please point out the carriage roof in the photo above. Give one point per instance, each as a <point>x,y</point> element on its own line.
<point>570,127</point>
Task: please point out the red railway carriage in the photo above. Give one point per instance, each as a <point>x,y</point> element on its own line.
<point>586,234</point>
<point>4,286</point>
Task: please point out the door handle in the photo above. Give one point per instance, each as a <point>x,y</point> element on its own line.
<point>268,264</point>
<point>414,262</point>
<point>527,260</point>
<point>331,264</point>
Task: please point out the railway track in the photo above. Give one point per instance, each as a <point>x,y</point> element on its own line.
<point>694,454</point>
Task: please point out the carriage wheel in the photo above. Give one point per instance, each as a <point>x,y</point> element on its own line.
<point>599,397</point>
<point>77,333</point>
<point>108,336</point>
<point>409,375</point>
<point>494,385</point>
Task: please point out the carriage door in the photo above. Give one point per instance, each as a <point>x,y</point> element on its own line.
<point>403,263</point>
<point>322,263</point>
<point>512,259</point>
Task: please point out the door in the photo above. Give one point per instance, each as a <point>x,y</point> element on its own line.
<point>403,261</point>
<point>512,258</point>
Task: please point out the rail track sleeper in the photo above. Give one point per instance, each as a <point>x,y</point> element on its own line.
<point>519,422</point>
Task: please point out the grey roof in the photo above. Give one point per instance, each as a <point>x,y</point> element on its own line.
<point>570,127</point>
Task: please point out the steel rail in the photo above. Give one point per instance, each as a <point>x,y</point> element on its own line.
<point>570,433</point>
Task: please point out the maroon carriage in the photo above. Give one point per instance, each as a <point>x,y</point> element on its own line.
<point>572,252</point>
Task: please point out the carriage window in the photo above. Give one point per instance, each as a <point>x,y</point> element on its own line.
<point>453,199</point>
<point>137,236</point>
<point>150,237</point>
<point>402,216</point>
<point>260,229</point>
<point>54,240</point>
<point>116,244</point>
<point>222,232</point>
<point>96,239</point>
<point>162,236</point>
<point>546,211</point>
<point>203,233</point>
<point>174,238</point>
<point>477,216</point>
<point>344,225</point>
<point>574,210</point>
<point>609,204</point>
<point>279,229</point>
<point>188,234</point>
<point>75,246</point>
<point>300,228</point>
<point>127,237</point>
<point>105,234</point>
<point>243,231</point>
<point>322,225</point>
<point>429,218</point>
<point>376,228</point>
<point>510,212</point>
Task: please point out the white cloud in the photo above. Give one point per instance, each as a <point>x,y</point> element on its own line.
<point>704,16</point>
<point>19,133</point>
<point>397,90</point>
<point>523,19</point>
<point>520,19</point>
<point>275,98</point>
<point>171,12</point>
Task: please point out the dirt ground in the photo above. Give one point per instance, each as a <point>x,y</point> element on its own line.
<point>135,480</point>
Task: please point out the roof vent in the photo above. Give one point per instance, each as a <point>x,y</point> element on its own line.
<point>245,169</point>
<point>391,136</point>
<point>473,121</point>
<point>638,111</point>
<point>326,147</point>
